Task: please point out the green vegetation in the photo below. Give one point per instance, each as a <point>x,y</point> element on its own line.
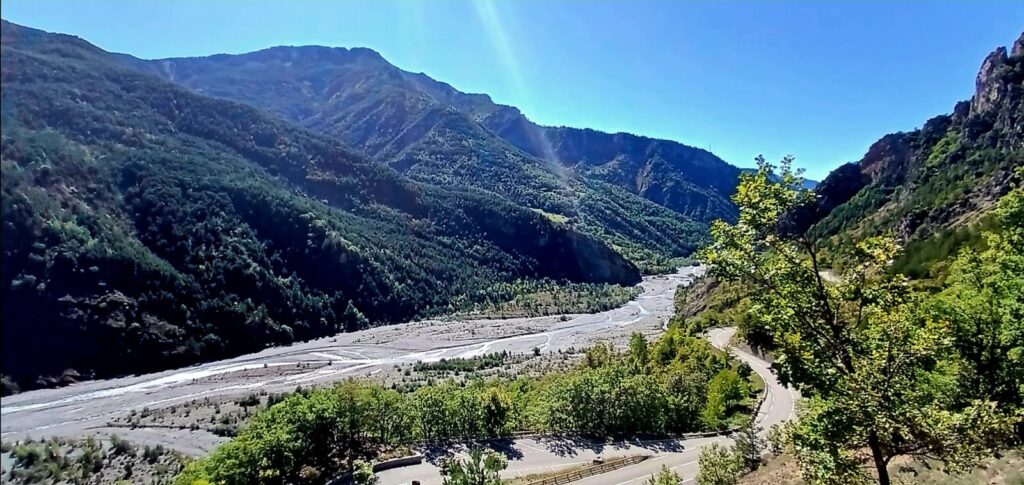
<point>461,365</point>
<point>480,468</point>
<point>885,368</point>
<point>532,298</point>
<point>718,466</point>
<point>88,461</point>
<point>148,227</point>
<point>674,385</point>
<point>664,477</point>
<point>650,199</point>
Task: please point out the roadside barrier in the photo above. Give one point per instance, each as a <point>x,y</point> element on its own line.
<point>572,476</point>
<point>398,462</point>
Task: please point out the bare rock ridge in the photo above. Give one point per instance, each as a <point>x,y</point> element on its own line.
<point>943,174</point>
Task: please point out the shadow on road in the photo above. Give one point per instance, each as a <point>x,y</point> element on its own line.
<point>434,453</point>
<point>570,446</point>
<point>662,446</point>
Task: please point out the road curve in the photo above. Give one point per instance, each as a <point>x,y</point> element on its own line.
<point>778,407</point>
<point>531,456</point>
<point>85,408</point>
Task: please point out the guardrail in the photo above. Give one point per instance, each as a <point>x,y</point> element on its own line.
<point>572,476</point>
<point>398,462</point>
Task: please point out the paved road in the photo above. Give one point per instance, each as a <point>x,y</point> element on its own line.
<point>530,456</point>
<point>86,407</point>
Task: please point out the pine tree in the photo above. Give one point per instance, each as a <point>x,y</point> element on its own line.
<point>749,446</point>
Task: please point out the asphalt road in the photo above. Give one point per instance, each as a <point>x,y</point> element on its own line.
<point>86,407</point>
<point>532,456</point>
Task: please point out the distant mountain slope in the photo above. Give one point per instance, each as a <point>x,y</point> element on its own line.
<point>924,183</point>
<point>432,132</point>
<point>146,226</point>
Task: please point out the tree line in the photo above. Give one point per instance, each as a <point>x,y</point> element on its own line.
<point>889,370</point>
<point>675,384</point>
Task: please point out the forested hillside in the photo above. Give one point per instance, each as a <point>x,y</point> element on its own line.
<point>929,185</point>
<point>146,226</point>
<point>891,296</point>
<point>432,132</point>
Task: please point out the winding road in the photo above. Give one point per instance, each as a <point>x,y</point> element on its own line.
<point>534,456</point>
<point>86,408</point>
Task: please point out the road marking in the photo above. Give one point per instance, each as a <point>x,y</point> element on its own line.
<point>684,464</point>
<point>534,448</point>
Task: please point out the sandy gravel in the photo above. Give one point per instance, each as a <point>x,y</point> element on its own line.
<point>87,407</point>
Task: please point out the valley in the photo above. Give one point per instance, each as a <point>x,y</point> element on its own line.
<point>294,264</point>
<point>85,408</point>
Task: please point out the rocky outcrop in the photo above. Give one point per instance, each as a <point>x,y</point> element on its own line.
<point>938,176</point>
<point>989,87</point>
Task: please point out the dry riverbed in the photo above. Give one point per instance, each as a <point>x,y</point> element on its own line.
<point>192,410</point>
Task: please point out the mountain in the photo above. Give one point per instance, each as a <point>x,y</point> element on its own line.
<point>926,185</point>
<point>432,132</point>
<point>805,184</point>
<point>146,226</point>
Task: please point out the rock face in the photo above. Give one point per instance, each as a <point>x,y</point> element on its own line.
<point>954,166</point>
<point>989,86</point>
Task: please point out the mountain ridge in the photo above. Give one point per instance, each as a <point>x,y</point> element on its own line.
<point>928,183</point>
<point>690,181</point>
<point>147,226</point>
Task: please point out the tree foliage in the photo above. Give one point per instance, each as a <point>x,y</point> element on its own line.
<point>718,466</point>
<point>665,476</point>
<point>147,227</point>
<point>325,432</point>
<point>479,468</point>
<point>880,371</point>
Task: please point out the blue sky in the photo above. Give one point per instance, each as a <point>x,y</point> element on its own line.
<point>818,80</point>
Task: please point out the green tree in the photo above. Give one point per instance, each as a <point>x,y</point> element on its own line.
<point>599,355</point>
<point>880,373</point>
<point>718,466</point>
<point>664,477</point>
<point>353,318</point>
<point>479,468</point>
<point>362,473</point>
<point>496,412</point>
<point>984,301</point>
<point>667,348</point>
<point>639,405</point>
<point>388,415</point>
<point>748,446</point>
<point>638,353</point>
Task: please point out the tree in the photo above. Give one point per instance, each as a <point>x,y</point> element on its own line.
<point>638,353</point>
<point>479,468</point>
<point>600,355</point>
<point>880,371</point>
<point>388,415</point>
<point>496,412</point>
<point>748,446</point>
<point>354,319</point>
<point>667,348</point>
<point>984,301</point>
<point>664,477</point>
<point>718,466</point>
<point>362,473</point>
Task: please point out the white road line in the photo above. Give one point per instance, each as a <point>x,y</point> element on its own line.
<point>534,448</point>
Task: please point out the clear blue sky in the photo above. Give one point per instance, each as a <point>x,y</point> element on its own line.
<point>818,80</point>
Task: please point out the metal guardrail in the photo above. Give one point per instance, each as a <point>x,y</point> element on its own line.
<point>590,471</point>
